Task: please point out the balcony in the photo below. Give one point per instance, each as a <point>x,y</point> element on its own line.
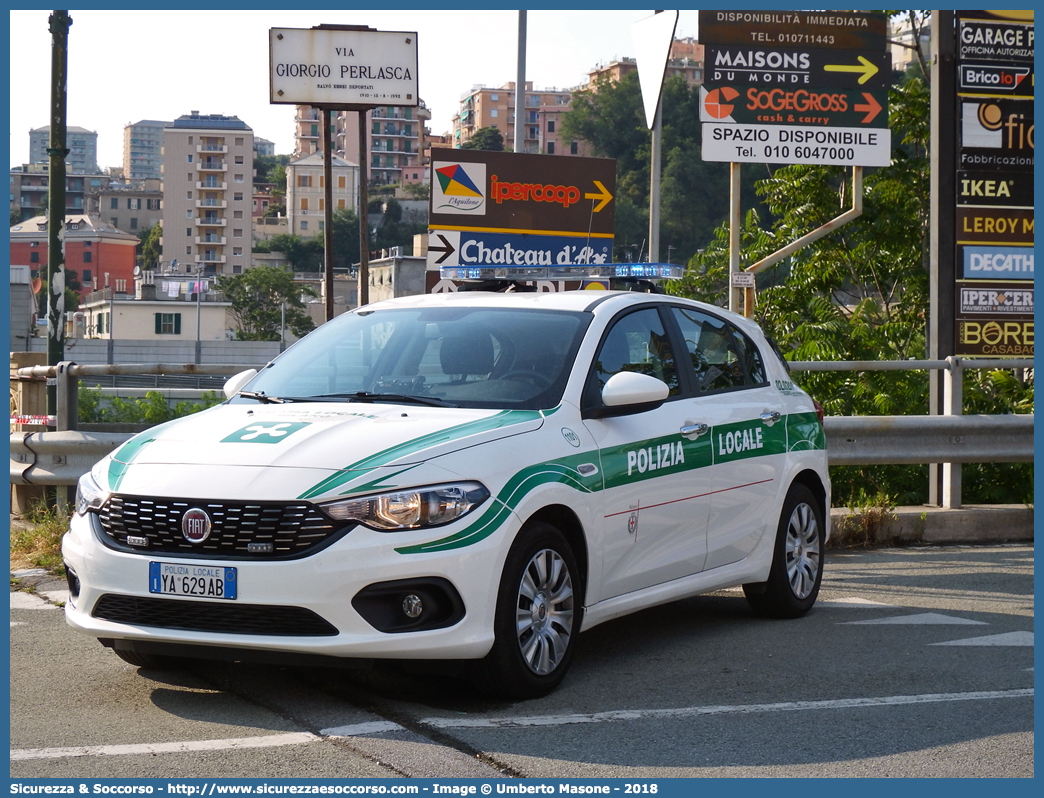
<point>210,257</point>
<point>212,148</point>
<point>211,203</point>
<point>211,221</point>
<point>211,166</point>
<point>212,186</point>
<point>218,241</point>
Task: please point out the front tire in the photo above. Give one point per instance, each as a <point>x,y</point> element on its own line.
<point>797,560</point>
<point>537,617</point>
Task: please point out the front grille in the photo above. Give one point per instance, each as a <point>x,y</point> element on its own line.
<point>277,530</point>
<point>209,616</point>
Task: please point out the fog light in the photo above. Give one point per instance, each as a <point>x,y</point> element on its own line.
<point>412,606</point>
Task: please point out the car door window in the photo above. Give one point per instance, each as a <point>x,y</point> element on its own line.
<point>722,357</point>
<point>637,342</point>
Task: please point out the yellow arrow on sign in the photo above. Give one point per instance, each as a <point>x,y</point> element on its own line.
<point>866,67</point>
<point>602,195</point>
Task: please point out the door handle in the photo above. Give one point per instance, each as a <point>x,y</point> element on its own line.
<point>695,430</point>
<point>770,418</point>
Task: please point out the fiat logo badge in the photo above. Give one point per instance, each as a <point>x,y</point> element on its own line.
<point>195,525</point>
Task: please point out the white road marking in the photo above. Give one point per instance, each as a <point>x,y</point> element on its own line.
<point>269,741</point>
<point>360,729</point>
<point>851,602</point>
<point>688,712</point>
<point>17,623</point>
<point>20,600</point>
<point>921,619</point>
<point>1006,639</point>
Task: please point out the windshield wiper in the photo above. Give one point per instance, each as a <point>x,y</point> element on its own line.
<point>370,396</point>
<point>262,397</point>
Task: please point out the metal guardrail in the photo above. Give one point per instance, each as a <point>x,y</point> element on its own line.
<point>60,458</point>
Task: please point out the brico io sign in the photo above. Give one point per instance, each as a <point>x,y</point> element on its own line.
<point>795,87</point>
<point>496,208</point>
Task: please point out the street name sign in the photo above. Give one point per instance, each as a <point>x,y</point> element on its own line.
<point>331,67</point>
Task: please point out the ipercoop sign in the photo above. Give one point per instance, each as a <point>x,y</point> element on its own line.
<point>328,67</point>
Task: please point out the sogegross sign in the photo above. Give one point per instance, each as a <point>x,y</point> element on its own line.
<point>329,68</point>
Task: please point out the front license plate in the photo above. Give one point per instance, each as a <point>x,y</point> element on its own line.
<point>204,581</point>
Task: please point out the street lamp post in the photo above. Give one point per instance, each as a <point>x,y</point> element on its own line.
<point>199,292</point>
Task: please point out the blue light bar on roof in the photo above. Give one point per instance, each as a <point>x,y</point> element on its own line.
<point>641,271</point>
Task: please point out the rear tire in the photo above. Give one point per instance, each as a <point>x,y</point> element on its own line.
<point>797,560</point>
<point>537,617</point>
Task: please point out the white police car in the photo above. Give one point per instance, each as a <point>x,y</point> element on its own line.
<point>471,476</point>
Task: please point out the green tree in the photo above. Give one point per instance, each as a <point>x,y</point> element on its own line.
<point>860,293</point>
<point>610,116</point>
<point>345,238</point>
<point>16,216</point>
<point>259,297</point>
<point>149,248</point>
<point>303,254</point>
<point>485,138</point>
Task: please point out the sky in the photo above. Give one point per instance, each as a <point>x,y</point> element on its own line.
<point>125,66</point>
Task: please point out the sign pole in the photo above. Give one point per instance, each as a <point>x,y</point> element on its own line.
<point>363,280</point>
<point>734,235</point>
<point>654,186</point>
<point>520,85</point>
<point>328,145</point>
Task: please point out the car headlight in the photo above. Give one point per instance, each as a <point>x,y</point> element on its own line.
<point>90,496</point>
<point>410,509</point>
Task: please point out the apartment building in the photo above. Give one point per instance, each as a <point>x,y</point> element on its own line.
<point>306,191</point>
<point>686,59</point>
<point>263,146</point>
<point>143,149</point>
<point>82,144</point>
<point>486,106</point>
<point>208,167</point>
<point>131,207</point>
<point>30,184</point>
<point>98,252</point>
<point>903,40</point>
<point>395,138</point>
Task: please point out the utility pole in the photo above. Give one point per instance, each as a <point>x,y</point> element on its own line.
<point>56,152</point>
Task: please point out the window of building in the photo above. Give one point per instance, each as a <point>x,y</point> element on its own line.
<point>188,231</point>
<point>573,148</point>
<point>88,244</point>
<point>304,181</point>
<point>340,204</point>
<point>114,203</point>
<point>550,148</point>
<point>550,125</point>
<point>237,250</point>
<point>113,220</point>
<point>304,225</point>
<point>237,232</point>
<point>85,275</point>
<point>188,250</point>
<point>238,196</point>
<point>239,159</point>
<point>238,214</point>
<point>321,226</point>
<point>34,257</point>
<point>239,141</point>
<point>188,195</point>
<point>304,203</point>
<point>493,113</point>
<point>134,223</point>
<point>190,139</point>
<point>238,178</point>
<point>101,322</point>
<point>190,159</point>
<point>168,323</point>
<point>494,97</point>
<point>87,256</point>
<point>341,181</point>
<point>322,204</point>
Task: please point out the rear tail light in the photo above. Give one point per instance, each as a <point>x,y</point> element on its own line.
<point>819,411</point>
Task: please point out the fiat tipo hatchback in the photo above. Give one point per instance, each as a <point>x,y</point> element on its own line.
<point>473,476</point>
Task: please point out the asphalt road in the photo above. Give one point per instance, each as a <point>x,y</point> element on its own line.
<point>914,663</point>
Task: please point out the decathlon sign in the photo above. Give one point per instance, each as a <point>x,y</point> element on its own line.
<point>331,67</point>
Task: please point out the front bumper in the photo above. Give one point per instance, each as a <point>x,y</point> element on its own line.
<point>322,585</point>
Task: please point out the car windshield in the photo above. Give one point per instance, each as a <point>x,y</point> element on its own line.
<point>459,357</point>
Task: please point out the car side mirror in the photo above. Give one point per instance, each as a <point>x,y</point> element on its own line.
<point>629,392</point>
<point>236,382</point>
